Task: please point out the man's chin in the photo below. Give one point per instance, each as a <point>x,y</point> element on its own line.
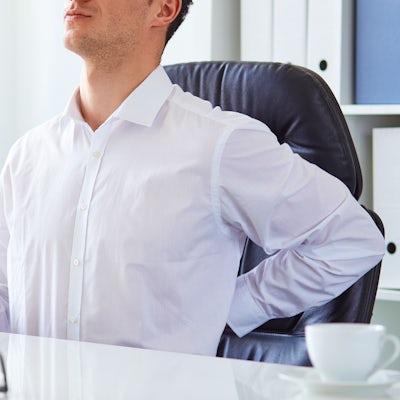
<point>74,43</point>
<point>68,45</point>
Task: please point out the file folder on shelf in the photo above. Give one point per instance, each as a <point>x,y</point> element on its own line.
<point>289,36</point>
<point>256,30</point>
<point>377,52</point>
<point>386,199</point>
<point>330,46</point>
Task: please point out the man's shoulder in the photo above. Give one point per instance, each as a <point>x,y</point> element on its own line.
<point>202,111</point>
<point>32,138</point>
<point>46,127</point>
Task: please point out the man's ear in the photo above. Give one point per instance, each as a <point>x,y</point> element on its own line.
<point>167,11</point>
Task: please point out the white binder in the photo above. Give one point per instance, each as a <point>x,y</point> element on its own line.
<point>210,32</point>
<point>290,31</point>
<point>386,199</point>
<point>256,30</point>
<point>330,49</point>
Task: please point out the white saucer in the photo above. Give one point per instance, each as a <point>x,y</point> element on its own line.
<point>376,385</point>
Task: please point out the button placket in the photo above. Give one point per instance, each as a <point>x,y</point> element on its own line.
<point>98,144</point>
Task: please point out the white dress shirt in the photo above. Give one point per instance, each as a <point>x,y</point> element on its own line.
<point>132,234</point>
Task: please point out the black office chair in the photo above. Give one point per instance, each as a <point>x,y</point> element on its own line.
<point>301,110</point>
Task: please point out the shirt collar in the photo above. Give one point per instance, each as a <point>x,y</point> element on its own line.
<point>73,109</point>
<point>144,103</point>
<point>141,106</point>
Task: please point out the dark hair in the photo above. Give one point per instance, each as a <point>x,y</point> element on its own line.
<point>178,20</point>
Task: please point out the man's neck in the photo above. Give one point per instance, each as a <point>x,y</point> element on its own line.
<point>102,90</point>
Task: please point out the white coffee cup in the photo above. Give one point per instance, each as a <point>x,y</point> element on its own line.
<point>349,351</point>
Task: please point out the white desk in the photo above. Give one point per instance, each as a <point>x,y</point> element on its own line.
<point>40,368</point>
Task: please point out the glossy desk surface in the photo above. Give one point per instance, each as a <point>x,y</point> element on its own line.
<point>40,368</point>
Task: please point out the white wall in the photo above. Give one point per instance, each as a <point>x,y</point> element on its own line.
<point>7,78</point>
<point>39,75</point>
<point>46,72</point>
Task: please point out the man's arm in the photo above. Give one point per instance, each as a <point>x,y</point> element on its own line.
<point>320,238</point>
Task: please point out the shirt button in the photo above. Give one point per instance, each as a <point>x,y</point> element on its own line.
<point>83,206</point>
<point>73,320</point>
<point>76,262</point>
<point>96,154</point>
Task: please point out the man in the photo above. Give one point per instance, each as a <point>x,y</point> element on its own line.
<point>123,219</point>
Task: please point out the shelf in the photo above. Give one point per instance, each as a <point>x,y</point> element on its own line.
<point>371,109</point>
<point>388,294</point>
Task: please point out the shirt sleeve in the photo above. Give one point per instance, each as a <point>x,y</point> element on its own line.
<point>4,239</point>
<point>319,238</point>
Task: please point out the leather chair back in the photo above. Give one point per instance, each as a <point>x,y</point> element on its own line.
<point>301,110</point>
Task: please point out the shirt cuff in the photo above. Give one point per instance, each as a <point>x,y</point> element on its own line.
<point>245,314</point>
